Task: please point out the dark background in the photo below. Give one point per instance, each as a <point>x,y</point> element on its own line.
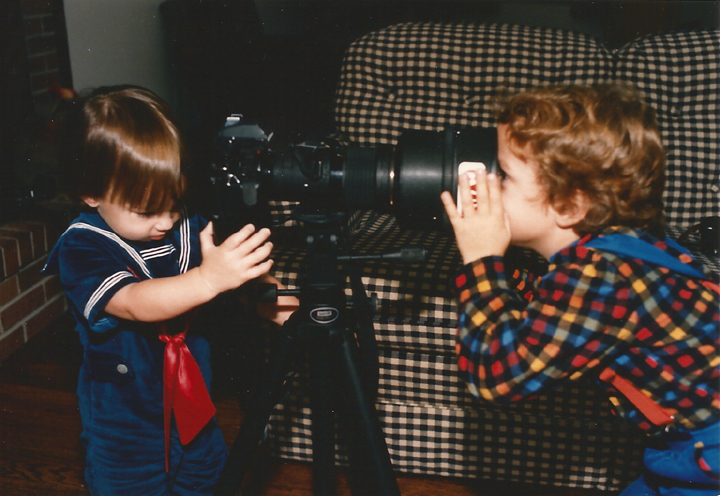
<point>280,61</point>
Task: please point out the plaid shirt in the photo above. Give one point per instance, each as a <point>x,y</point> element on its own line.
<point>592,315</point>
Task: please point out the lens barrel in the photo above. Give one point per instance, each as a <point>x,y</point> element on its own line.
<point>405,180</point>
<point>427,164</point>
<point>368,177</point>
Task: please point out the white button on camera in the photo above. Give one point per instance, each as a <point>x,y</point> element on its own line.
<point>122,368</point>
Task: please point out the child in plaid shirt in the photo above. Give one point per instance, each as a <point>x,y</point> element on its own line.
<point>581,183</point>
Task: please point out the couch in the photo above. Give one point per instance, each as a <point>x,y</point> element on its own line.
<point>430,76</point>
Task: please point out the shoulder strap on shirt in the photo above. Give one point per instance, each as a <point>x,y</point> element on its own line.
<point>651,410</point>
<point>623,244</point>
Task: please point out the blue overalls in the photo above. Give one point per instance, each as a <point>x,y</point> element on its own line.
<point>120,387</point>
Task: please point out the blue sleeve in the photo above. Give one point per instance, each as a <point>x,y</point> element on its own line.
<point>91,275</point>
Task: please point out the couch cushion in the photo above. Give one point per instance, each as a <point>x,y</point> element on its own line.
<point>431,75</point>
<point>432,426</point>
<point>679,73</point>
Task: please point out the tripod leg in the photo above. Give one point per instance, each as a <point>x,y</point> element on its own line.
<point>253,426</point>
<point>366,440</point>
<point>323,419</point>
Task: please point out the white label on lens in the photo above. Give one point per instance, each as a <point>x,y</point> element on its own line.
<point>470,168</point>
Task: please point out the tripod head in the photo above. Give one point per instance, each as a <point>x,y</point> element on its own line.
<point>318,293</point>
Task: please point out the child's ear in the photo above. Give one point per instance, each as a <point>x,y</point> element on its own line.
<point>90,202</point>
<point>574,212</point>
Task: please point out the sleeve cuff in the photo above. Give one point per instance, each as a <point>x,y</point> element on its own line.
<point>93,312</point>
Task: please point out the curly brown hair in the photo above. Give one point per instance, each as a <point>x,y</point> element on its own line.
<point>601,142</point>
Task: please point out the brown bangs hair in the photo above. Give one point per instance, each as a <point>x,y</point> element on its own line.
<point>129,150</point>
<point>601,142</point>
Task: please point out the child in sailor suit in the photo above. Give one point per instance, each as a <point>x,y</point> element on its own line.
<point>137,268</point>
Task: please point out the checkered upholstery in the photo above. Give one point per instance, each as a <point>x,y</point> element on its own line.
<point>429,76</point>
<point>679,73</point>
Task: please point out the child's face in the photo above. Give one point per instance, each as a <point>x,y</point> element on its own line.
<point>533,223</point>
<point>134,225</point>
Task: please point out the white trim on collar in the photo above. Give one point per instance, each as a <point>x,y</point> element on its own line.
<point>114,237</point>
<point>157,252</point>
<point>184,258</point>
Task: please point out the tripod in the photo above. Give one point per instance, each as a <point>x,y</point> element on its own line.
<point>342,352</point>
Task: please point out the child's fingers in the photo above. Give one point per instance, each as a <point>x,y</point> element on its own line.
<point>466,194</point>
<point>494,194</point>
<point>238,238</point>
<point>450,207</point>
<point>248,258</point>
<point>206,236</point>
<point>258,270</point>
<point>253,242</point>
<point>482,192</point>
<point>263,252</point>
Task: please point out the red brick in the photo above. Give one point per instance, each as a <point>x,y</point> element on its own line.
<point>8,290</point>
<point>51,61</point>
<point>44,316</point>
<point>18,309</point>
<point>53,286</point>
<point>37,64</point>
<point>43,81</point>
<point>41,44</point>
<point>9,342</point>
<point>48,24</point>
<point>24,242</point>
<point>29,276</point>
<point>10,260</point>
<point>37,233</point>
<point>33,26</point>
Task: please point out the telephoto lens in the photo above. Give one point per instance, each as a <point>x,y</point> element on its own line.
<point>405,180</point>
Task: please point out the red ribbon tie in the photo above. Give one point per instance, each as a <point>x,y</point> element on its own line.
<point>184,390</point>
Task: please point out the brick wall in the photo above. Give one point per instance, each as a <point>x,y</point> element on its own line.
<point>28,300</point>
<point>44,35</point>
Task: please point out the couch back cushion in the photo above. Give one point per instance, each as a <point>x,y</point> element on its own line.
<point>679,73</point>
<point>434,75</point>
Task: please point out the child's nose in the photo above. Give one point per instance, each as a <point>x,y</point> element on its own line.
<point>166,220</point>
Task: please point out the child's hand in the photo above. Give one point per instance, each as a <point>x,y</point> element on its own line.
<point>483,230</point>
<point>240,258</point>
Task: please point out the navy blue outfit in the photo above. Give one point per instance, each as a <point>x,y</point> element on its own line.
<point>120,388</point>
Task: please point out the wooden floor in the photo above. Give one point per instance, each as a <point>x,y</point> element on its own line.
<point>41,454</point>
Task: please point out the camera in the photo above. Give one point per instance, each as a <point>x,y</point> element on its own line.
<point>253,167</point>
